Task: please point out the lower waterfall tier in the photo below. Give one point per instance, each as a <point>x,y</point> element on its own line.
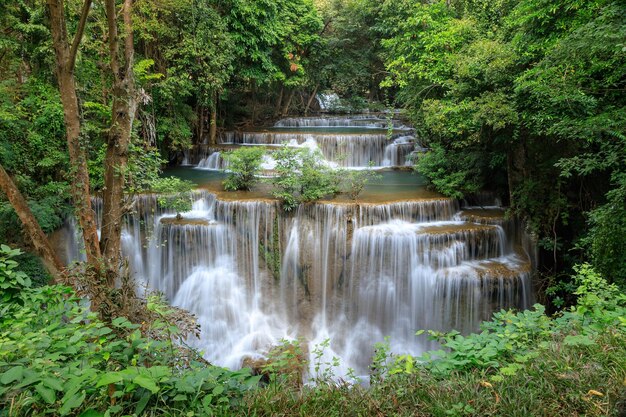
<point>351,272</point>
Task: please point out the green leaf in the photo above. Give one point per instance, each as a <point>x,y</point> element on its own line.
<point>71,402</point>
<point>141,405</point>
<point>147,383</point>
<point>12,375</point>
<point>109,378</point>
<point>91,413</point>
<point>53,383</point>
<point>218,390</point>
<point>46,393</point>
<point>578,340</point>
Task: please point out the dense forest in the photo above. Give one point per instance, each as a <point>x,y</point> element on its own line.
<point>521,99</point>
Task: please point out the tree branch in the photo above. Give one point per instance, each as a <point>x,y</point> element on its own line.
<point>113,41</point>
<point>33,230</point>
<point>79,34</point>
<point>128,41</point>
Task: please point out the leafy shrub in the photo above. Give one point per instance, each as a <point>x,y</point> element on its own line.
<point>174,193</point>
<point>607,235</point>
<point>12,281</point>
<point>302,176</point>
<point>454,174</point>
<point>244,164</point>
<point>354,181</point>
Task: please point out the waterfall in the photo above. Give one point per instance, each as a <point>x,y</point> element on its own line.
<point>213,162</point>
<point>347,150</point>
<point>363,121</point>
<point>351,272</point>
<point>397,152</point>
<point>329,101</point>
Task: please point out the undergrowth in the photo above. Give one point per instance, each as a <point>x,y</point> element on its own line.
<point>520,364</point>
<point>58,358</point>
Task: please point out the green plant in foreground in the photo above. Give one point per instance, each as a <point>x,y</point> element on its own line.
<point>244,166</point>
<point>58,358</point>
<point>12,280</point>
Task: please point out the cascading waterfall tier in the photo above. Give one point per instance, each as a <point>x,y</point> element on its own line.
<point>352,272</point>
<point>365,121</point>
<point>348,150</point>
<point>355,141</point>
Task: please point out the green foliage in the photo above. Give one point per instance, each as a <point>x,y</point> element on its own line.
<point>173,193</point>
<point>512,339</point>
<point>527,90</point>
<point>347,59</point>
<point>302,176</point>
<point>354,181</point>
<point>285,363</point>
<point>244,165</point>
<point>58,358</point>
<point>520,364</point>
<point>453,173</point>
<point>12,280</point>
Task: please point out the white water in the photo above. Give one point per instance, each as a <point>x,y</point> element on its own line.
<point>358,150</point>
<point>212,162</point>
<point>351,273</point>
<point>362,121</point>
<point>328,101</point>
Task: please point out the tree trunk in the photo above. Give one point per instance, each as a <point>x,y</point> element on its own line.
<point>33,230</point>
<point>213,121</point>
<point>279,102</point>
<point>253,102</point>
<point>311,98</point>
<point>285,110</point>
<point>118,140</point>
<point>200,129</point>
<point>65,58</point>
<point>516,167</point>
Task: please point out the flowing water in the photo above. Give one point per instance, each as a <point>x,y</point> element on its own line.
<point>353,142</point>
<point>400,259</point>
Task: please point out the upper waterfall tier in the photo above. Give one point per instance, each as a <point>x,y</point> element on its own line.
<point>365,121</point>
<point>356,149</point>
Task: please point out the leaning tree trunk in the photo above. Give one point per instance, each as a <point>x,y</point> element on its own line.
<point>118,140</point>
<point>285,110</point>
<point>311,98</point>
<point>65,59</point>
<point>33,230</point>
<point>213,121</point>
<point>279,102</point>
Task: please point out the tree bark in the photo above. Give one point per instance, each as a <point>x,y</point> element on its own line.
<point>279,102</point>
<point>118,140</point>
<point>285,110</point>
<point>33,230</point>
<point>311,98</point>
<point>516,168</point>
<point>65,59</point>
<point>213,121</point>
